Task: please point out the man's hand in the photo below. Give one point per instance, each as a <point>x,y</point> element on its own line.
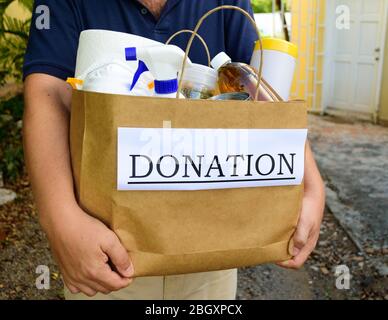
<point>307,232</point>
<point>85,249</point>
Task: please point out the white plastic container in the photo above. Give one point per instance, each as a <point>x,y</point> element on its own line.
<point>199,82</point>
<point>279,64</point>
<point>101,65</point>
<point>101,46</point>
<point>115,77</point>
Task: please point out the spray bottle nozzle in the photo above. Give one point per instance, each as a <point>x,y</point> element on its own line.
<point>140,70</point>
<point>131,55</point>
<point>164,62</point>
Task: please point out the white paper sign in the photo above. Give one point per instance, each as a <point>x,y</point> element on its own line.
<point>200,159</point>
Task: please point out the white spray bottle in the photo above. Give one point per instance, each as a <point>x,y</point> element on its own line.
<point>164,62</point>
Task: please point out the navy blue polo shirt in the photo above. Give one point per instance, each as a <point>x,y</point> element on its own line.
<point>53,51</point>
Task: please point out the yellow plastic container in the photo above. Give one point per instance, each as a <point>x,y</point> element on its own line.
<point>280,58</point>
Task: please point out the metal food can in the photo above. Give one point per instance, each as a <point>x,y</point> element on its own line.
<point>242,96</point>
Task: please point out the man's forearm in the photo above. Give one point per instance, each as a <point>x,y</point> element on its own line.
<point>46,145</point>
<point>81,245</point>
<point>313,180</point>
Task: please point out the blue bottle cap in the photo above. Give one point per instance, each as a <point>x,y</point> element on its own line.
<point>130,54</point>
<point>166,86</point>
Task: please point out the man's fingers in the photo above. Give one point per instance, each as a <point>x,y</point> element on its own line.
<point>69,283</point>
<point>118,255</point>
<point>97,287</point>
<point>88,286</point>
<point>72,289</point>
<point>301,237</point>
<point>298,261</point>
<point>111,280</point>
<point>87,290</point>
<point>77,287</point>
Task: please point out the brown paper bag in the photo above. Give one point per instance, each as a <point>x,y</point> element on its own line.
<point>173,231</point>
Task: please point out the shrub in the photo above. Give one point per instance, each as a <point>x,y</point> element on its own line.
<point>13,41</point>
<point>265,6</point>
<point>11,146</point>
<point>262,6</point>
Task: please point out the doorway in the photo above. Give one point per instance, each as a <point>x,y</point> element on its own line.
<point>354,55</point>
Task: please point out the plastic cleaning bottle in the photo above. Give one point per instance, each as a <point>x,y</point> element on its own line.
<point>102,46</point>
<point>280,59</point>
<point>115,77</point>
<point>164,63</point>
<point>237,77</point>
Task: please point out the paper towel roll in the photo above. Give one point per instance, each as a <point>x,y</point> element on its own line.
<point>101,46</point>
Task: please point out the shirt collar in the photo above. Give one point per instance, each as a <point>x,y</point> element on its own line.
<point>169,6</point>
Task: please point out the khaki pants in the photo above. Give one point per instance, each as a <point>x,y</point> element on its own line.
<point>217,285</point>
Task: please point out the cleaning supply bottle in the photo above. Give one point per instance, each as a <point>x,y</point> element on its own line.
<point>111,77</point>
<point>115,77</point>
<point>280,59</point>
<point>199,82</point>
<point>238,77</point>
<point>164,63</point>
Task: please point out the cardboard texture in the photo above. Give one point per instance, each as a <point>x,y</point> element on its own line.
<point>175,232</point>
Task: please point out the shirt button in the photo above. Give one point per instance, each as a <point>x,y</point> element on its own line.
<point>144,11</point>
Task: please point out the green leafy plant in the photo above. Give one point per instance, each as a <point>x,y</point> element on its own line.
<point>11,148</point>
<point>265,6</point>
<point>262,6</point>
<point>13,41</point>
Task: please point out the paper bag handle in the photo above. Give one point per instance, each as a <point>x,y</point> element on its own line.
<point>200,39</point>
<point>195,33</point>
